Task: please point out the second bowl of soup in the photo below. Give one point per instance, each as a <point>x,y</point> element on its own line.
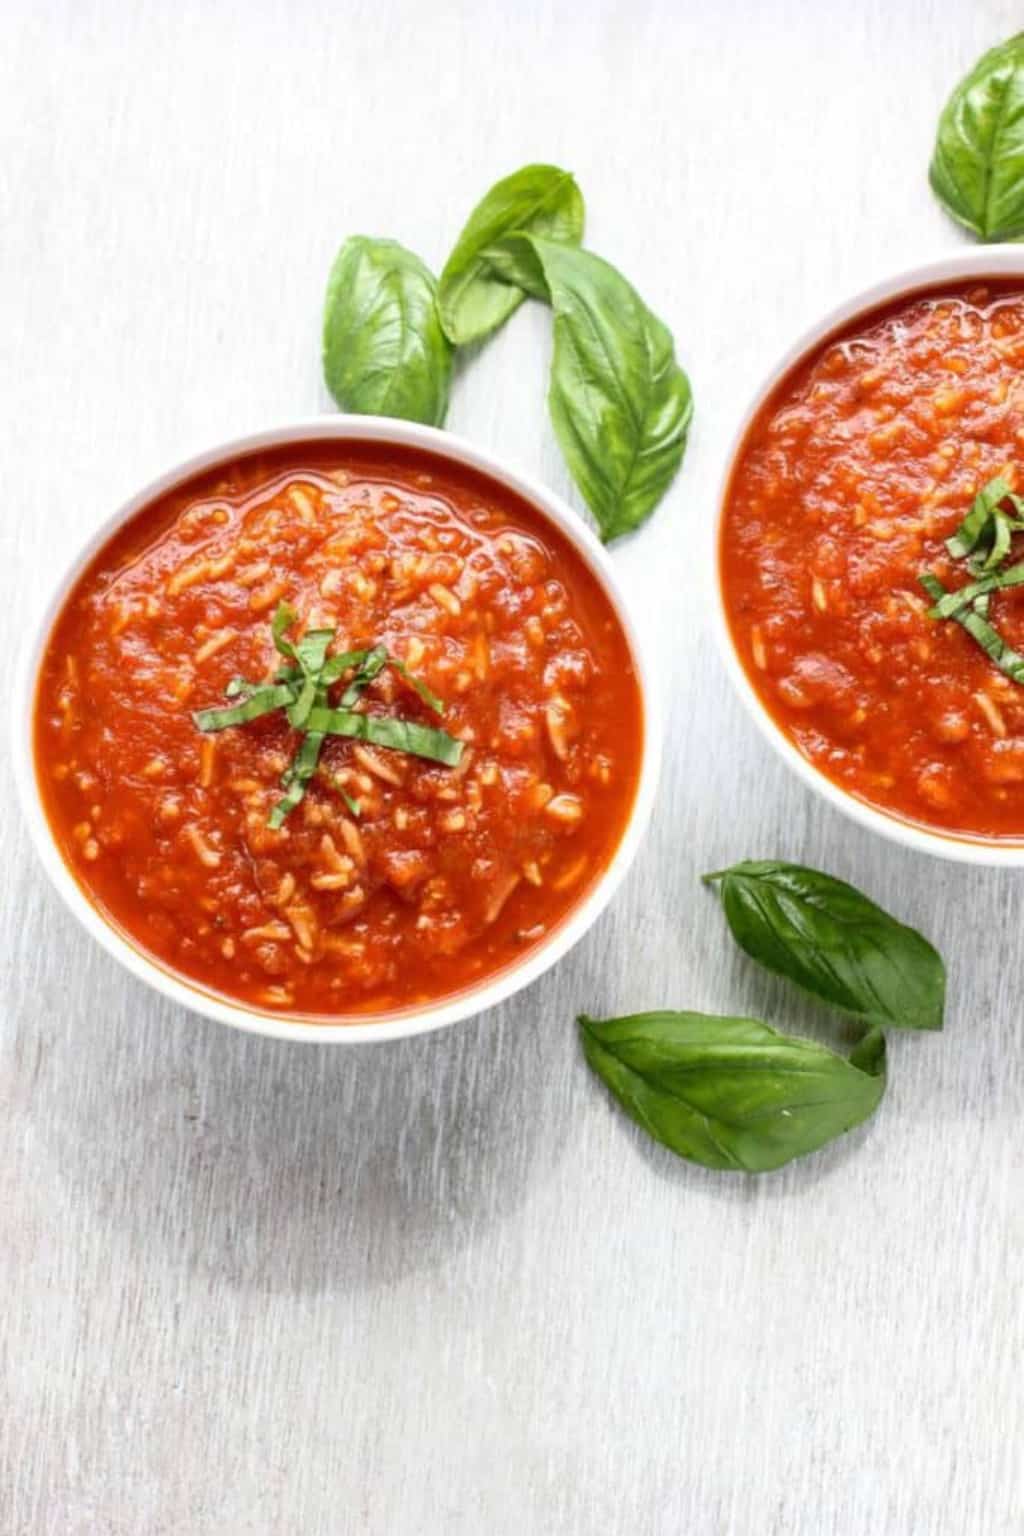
<point>870,553</point>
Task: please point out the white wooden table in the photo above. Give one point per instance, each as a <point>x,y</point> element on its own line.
<point>442,1286</point>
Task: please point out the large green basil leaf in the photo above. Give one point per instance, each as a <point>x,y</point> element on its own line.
<point>977,170</point>
<point>384,351</point>
<point>733,1093</point>
<point>473,298</point>
<point>834,943</point>
<point>620,403</point>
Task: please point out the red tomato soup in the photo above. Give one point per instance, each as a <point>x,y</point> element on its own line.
<point>855,472</point>
<point>396,880</point>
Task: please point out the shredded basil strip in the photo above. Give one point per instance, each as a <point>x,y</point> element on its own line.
<point>1002,533</point>
<point>239,685</point>
<point>263,702</point>
<point>298,712</point>
<point>335,666</point>
<point>284,617</point>
<point>950,604</point>
<point>986,531</point>
<point>992,643</point>
<point>297,777</point>
<point>312,649</point>
<point>373,664</point>
<point>301,687</point>
<point>978,518</point>
<point>384,731</point>
<point>428,695</point>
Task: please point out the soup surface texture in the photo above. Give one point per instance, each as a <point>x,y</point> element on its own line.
<point>396,880</point>
<point>851,478</point>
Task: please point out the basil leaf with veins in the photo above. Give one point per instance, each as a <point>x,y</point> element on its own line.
<point>834,943</point>
<point>733,1093</point>
<point>977,169</point>
<point>384,351</point>
<point>620,404</point>
<point>474,296</point>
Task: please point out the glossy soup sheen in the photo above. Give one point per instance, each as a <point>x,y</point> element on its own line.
<point>861,464</point>
<point>446,876</point>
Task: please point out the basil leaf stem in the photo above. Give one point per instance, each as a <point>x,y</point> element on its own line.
<point>733,1093</point>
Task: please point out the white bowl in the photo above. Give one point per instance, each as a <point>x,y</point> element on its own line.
<point>389,1026</point>
<point>979,262</point>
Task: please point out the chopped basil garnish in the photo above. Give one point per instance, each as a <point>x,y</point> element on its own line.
<point>300,689</point>
<point>978,527</point>
<point>983,539</point>
<point>297,776</point>
<point>263,701</point>
<point>383,731</point>
<point>977,626</point>
<point>950,605</point>
<point>352,805</point>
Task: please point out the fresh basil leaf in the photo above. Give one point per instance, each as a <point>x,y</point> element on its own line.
<point>473,297</point>
<point>620,404</point>
<point>384,351</point>
<point>833,942</point>
<point>731,1092</point>
<point>977,169</point>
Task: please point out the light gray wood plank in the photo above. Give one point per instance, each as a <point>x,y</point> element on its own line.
<point>443,1286</point>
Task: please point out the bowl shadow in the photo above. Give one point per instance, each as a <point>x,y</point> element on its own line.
<point>268,1166</point>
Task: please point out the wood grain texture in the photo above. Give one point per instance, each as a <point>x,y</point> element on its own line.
<point>442,1286</point>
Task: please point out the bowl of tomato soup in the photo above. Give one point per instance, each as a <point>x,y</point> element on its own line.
<point>870,553</point>
<point>341,731</point>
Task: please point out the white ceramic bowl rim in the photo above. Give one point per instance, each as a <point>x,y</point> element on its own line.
<point>377,1027</point>
<point>975,262</point>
